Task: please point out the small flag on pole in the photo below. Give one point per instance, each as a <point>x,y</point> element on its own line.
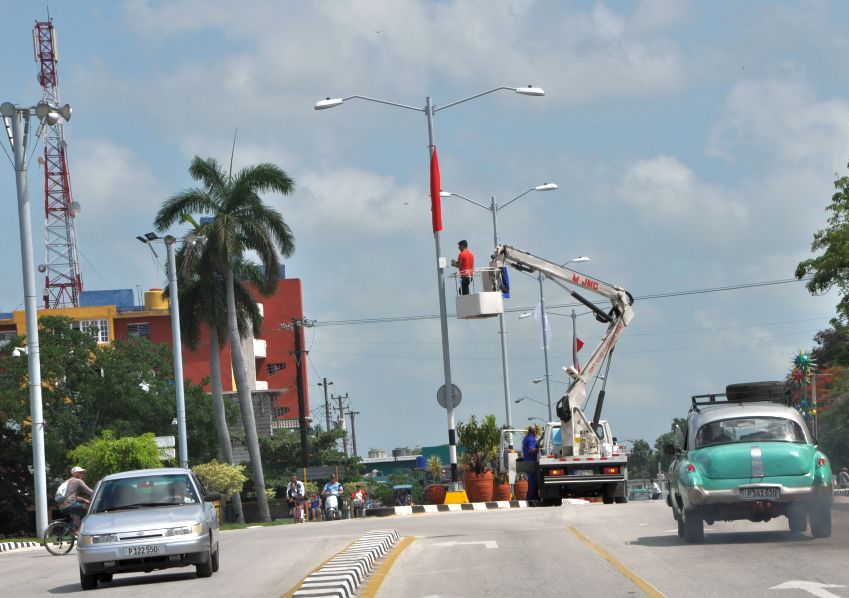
<point>435,188</point>
<point>577,345</point>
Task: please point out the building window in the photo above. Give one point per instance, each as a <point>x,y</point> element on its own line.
<point>99,329</point>
<point>273,368</point>
<point>6,336</point>
<point>139,330</point>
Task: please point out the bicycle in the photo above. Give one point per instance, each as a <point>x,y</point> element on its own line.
<point>59,537</point>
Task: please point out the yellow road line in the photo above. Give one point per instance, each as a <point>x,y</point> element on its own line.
<point>297,586</point>
<point>372,586</point>
<point>646,587</point>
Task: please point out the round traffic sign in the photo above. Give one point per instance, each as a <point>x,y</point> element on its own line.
<point>456,396</point>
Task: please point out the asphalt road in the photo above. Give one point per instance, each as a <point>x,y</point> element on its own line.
<point>610,550</point>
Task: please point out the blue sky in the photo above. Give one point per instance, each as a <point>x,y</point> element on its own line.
<point>695,146</point>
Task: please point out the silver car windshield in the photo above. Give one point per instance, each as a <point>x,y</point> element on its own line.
<point>146,491</point>
<point>749,429</point>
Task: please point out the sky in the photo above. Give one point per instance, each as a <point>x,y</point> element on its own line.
<point>694,144</point>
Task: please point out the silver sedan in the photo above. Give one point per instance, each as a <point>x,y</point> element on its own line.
<point>146,520</point>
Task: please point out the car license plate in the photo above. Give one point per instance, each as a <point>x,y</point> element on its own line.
<point>141,550</point>
<point>759,493</point>
<point>584,472</point>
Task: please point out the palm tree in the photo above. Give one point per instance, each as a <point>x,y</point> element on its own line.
<point>240,222</point>
<point>202,295</point>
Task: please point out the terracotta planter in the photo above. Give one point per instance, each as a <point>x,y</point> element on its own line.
<point>479,487</point>
<point>501,491</point>
<point>435,494</point>
<point>520,490</point>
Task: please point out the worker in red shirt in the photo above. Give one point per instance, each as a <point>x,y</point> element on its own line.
<point>465,263</point>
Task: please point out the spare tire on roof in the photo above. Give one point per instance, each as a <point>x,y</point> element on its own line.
<point>757,391</point>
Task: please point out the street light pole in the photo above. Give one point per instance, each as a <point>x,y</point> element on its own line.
<point>430,110</point>
<point>178,351</point>
<point>494,208</point>
<point>544,323</point>
<point>18,131</point>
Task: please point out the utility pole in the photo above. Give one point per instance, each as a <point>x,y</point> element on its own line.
<point>299,377</point>
<point>341,409</point>
<point>353,414</point>
<point>325,384</point>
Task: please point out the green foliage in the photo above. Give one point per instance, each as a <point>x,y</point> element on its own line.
<point>831,268</point>
<point>221,477</point>
<point>639,460</point>
<point>110,454</point>
<point>434,468</point>
<point>480,440</point>
<point>281,453</point>
<point>16,482</point>
<point>679,424</point>
<point>126,387</point>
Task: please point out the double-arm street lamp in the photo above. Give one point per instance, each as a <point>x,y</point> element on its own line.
<point>543,321</point>
<point>16,121</point>
<point>494,208</point>
<point>430,111</point>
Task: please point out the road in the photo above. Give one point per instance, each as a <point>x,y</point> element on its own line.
<point>544,552</point>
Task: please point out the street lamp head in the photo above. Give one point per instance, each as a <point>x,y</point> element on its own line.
<point>327,103</point>
<point>530,91</point>
<point>582,258</point>
<point>151,236</point>
<point>445,194</point>
<point>538,380</point>
<point>7,109</point>
<point>546,187</point>
<point>526,314</point>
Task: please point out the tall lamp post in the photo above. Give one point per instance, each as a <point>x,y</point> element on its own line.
<point>543,321</point>
<point>429,111</point>
<point>16,121</point>
<point>176,339</point>
<point>494,208</point>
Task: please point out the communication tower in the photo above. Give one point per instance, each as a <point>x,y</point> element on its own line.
<point>62,279</point>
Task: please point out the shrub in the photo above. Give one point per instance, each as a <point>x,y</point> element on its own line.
<point>221,477</point>
<point>107,454</point>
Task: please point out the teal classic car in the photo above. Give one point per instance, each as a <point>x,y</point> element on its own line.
<point>749,456</point>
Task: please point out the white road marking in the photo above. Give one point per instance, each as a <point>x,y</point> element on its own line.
<point>812,587</point>
<point>486,543</point>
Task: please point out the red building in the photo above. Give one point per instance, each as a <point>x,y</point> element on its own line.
<point>270,357</point>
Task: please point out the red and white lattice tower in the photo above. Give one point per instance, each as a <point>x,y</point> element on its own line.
<point>62,280</point>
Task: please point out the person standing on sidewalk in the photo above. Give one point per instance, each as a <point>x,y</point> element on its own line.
<point>529,453</point>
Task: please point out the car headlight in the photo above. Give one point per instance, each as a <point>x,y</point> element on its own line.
<point>99,539</point>
<point>185,530</point>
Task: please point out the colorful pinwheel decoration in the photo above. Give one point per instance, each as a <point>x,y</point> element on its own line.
<point>801,375</point>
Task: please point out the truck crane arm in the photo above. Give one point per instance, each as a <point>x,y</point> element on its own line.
<point>617,319</point>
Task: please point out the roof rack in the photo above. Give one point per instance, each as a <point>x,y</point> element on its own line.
<point>752,392</point>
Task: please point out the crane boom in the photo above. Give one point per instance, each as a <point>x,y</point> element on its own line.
<point>569,407</point>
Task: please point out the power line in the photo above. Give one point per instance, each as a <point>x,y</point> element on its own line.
<point>736,287</point>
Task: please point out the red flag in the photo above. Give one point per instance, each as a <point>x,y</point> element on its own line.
<point>435,188</point>
<point>577,345</point>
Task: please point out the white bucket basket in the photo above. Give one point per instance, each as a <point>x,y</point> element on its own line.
<point>485,304</point>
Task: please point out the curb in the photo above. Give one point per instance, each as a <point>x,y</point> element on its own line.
<point>469,506</point>
<point>342,575</point>
<point>11,546</point>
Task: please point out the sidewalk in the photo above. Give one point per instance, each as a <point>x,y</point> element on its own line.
<point>469,506</point>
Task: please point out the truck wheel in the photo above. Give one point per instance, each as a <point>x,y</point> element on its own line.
<point>756,391</point>
<point>821,521</point>
<point>694,527</point>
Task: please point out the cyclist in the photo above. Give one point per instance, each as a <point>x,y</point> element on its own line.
<point>74,504</point>
<point>296,496</point>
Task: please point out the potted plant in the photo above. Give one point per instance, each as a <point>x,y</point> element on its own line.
<point>501,486</point>
<point>435,492</point>
<point>480,439</point>
<point>520,487</point>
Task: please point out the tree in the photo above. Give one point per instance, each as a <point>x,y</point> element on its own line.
<point>202,301</point>
<point>240,222</point>
<point>110,454</point>
<point>639,460</point>
<point>831,269</point>
<point>282,454</point>
<point>125,386</point>
<point>678,426</point>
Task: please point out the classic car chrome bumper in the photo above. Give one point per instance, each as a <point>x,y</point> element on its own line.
<point>698,496</point>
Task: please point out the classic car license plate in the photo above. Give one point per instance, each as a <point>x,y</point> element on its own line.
<point>584,472</point>
<point>759,493</point>
<point>141,550</point>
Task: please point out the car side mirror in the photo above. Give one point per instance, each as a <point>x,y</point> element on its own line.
<point>670,449</point>
<point>210,496</point>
